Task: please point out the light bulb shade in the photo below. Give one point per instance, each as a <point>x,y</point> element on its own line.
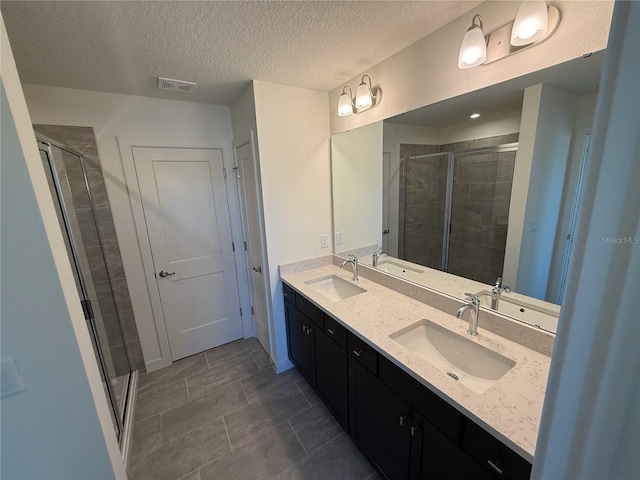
<point>364,99</point>
<point>473,51</point>
<point>531,22</point>
<point>345,108</point>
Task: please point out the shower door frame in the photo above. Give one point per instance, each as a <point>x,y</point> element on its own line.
<point>451,158</point>
<point>118,416</point>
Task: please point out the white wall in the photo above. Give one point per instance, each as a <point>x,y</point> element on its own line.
<point>590,427</point>
<point>482,127</point>
<point>293,141</point>
<point>113,116</point>
<point>59,426</point>
<point>356,169</point>
<point>547,128</point>
<point>426,72</point>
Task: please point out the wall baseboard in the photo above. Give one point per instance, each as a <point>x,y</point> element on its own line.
<point>283,365</point>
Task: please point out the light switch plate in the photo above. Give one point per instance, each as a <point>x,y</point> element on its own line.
<point>11,380</point>
<point>324,240</point>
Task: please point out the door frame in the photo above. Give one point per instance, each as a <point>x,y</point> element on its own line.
<point>263,241</point>
<point>155,342</point>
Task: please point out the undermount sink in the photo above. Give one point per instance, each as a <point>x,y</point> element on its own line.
<point>335,288</point>
<point>538,317</point>
<point>470,364</point>
<point>398,269</point>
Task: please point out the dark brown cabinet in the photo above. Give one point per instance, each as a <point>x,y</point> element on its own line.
<point>331,377</point>
<point>406,430</point>
<point>380,422</point>
<point>300,332</point>
<point>317,355</point>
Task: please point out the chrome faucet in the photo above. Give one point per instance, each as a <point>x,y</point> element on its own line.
<point>353,260</point>
<point>497,290</point>
<point>377,253</point>
<point>474,310</point>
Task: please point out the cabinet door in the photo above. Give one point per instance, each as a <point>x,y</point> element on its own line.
<point>300,342</point>
<point>435,456</point>
<point>331,376</point>
<point>379,422</point>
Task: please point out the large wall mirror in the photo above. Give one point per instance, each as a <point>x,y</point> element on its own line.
<point>468,205</point>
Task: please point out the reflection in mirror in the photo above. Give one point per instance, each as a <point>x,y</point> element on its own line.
<point>474,205</point>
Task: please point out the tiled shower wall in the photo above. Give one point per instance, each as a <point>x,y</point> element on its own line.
<point>423,184</point>
<point>82,139</point>
<point>480,207</point>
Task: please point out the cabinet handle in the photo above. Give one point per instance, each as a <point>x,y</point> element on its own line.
<point>304,328</point>
<point>286,294</point>
<point>357,353</point>
<point>331,331</point>
<point>309,331</point>
<point>402,419</point>
<point>495,467</point>
<point>415,429</point>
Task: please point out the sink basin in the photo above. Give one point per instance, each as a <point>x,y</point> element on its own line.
<point>524,312</point>
<point>398,269</point>
<point>465,361</point>
<point>335,288</point>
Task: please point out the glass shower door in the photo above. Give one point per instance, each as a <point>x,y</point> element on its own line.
<point>482,181</point>
<point>426,210</point>
<point>69,187</point>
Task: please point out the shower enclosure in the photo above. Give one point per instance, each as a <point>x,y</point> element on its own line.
<point>69,184</point>
<point>455,210</point>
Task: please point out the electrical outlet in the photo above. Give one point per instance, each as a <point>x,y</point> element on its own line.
<point>324,240</point>
<point>339,238</point>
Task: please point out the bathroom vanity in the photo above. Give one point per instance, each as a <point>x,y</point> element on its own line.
<point>365,349</point>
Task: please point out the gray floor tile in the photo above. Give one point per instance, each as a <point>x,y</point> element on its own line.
<point>336,460</point>
<point>256,418</point>
<point>177,370</point>
<point>233,351</point>
<point>202,409</point>
<point>146,435</point>
<point>219,375</point>
<point>175,459</point>
<point>267,381</point>
<point>308,392</point>
<point>161,398</point>
<point>262,359</point>
<point>315,427</point>
<point>261,458</point>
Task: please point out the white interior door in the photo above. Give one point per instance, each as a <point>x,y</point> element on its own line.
<point>184,199</point>
<point>249,202</point>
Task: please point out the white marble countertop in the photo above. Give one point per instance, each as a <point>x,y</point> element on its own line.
<point>510,409</point>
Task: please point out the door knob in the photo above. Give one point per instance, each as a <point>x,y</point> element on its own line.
<point>257,269</point>
<point>164,273</point>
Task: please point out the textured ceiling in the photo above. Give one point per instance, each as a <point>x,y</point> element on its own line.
<point>122,46</point>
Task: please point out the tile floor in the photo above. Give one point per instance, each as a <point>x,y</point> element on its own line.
<point>224,414</point>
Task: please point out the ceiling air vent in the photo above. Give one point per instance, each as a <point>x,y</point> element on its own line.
<point>172,85</point>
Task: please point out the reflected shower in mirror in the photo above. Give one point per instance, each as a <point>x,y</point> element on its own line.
<point>467,203</point>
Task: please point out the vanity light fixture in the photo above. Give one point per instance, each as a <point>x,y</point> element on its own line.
<point>366,98</point>
<point>473,51</point>
<point>531,22</point>
<point>534,23</point>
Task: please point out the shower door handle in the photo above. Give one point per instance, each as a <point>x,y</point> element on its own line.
<point>164,273</point>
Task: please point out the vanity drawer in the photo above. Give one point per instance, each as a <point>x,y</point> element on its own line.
<point>335,331</point>
<point>289,294</point>
<point>362,352</point>
<point>493,455</point>
<point>434,409</point>
<point>310,310</point>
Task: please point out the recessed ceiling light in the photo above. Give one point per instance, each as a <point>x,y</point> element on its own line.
<point>474,116</point>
